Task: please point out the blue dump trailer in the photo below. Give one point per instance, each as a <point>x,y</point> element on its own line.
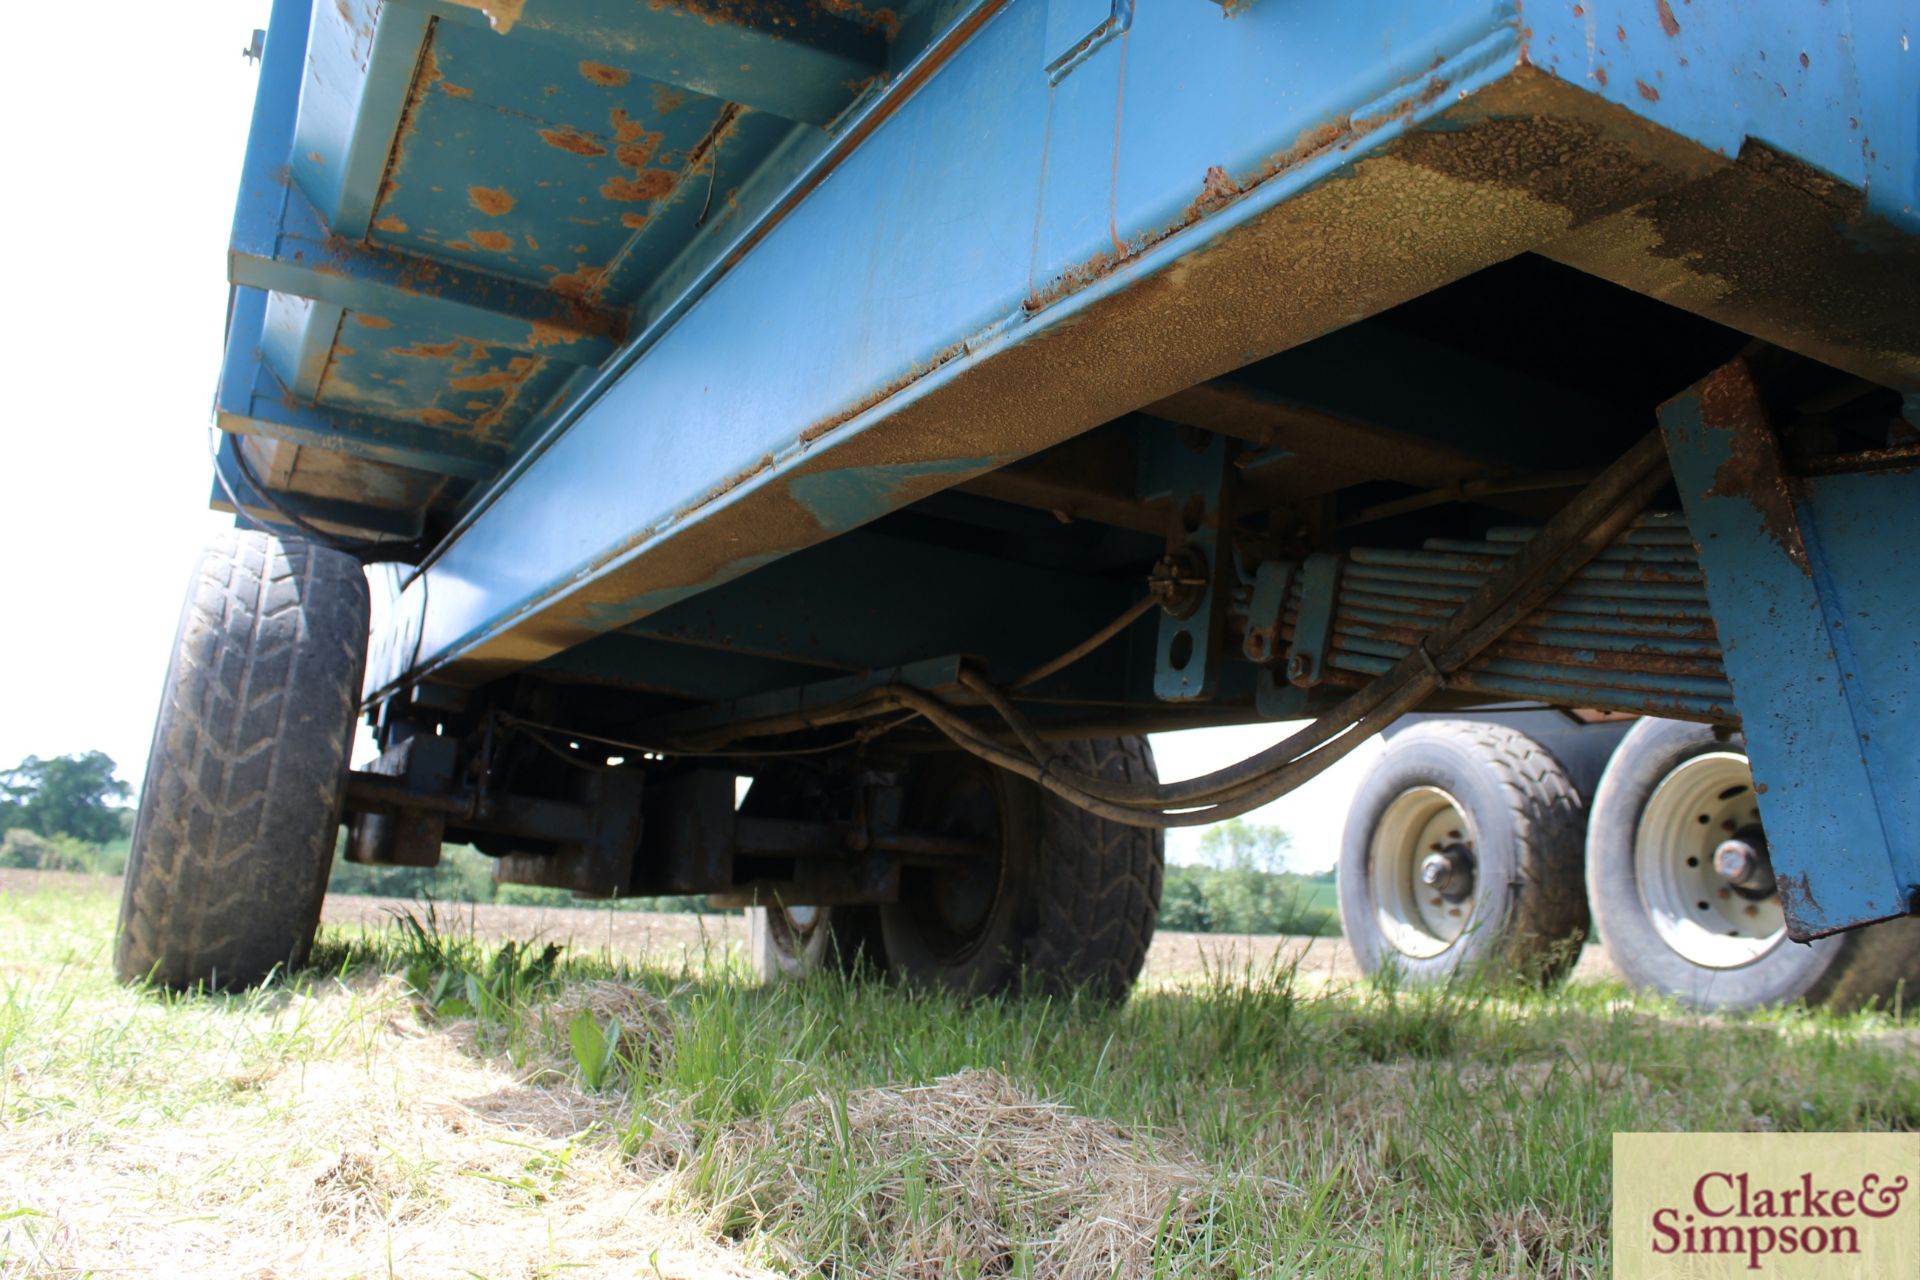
<point>908,409</point>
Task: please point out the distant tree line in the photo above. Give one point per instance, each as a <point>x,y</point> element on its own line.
<point>64,814</point>
<point>1241,887</point>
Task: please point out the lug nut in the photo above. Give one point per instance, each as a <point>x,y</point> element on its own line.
<point>1734,859</point>
<point>1742,861</point>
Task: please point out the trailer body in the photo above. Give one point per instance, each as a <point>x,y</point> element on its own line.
<point>699,365</point>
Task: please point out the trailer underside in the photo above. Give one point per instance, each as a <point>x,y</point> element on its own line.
<point>702,368</point>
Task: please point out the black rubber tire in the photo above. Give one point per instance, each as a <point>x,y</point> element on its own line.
<point>241,803</point>
<point>1844,971</point>
<point>1528,913</point>
<point>1076,897</point>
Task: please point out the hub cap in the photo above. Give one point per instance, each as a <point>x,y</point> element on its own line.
<point>1701,862</point>
<point>1421,872</point>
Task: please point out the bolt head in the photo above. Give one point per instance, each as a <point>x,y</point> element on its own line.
<point>1734,859</point>
<point>1434,868</point>
<point>1297,667</point>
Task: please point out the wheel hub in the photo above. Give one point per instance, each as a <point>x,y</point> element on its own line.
<point>1701,863</point>
<point>1421,872</point>
<point>1449,872</point>
<point>1742,861</point>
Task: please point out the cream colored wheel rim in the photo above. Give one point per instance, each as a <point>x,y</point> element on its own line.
<point>1694,910</point>
<point>1415,919</point>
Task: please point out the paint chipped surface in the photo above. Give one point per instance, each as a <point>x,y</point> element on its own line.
<point>585,283</point>
<point>572,140</point>
<point>492,201</point>
<point>1752,472</point>
<point>606,76</point>
<point>1216,190</point>
<point>427,350</point>
<point>647,184</point>
<point>1806,920</point>
<point>884,21</point>
<point>514,373</point>
<point>625,127</point>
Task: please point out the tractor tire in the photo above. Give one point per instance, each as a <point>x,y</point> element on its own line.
<point>1675,926</point>
<point>1490,815</point>
<point>241,804</point>
<point>1067,904</point>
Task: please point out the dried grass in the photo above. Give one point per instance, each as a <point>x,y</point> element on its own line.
<point>646,1024</point>
<point>963,1176</point>
<point>402,1153</point>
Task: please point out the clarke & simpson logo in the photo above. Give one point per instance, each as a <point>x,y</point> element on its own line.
<point>1727,1215</point>
<point>1777,1205</point>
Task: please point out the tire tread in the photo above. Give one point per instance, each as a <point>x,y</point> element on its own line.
<point>1546,912</point>
<point>235,831</point>
<point>1097,895</point>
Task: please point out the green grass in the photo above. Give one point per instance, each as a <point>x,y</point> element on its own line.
<point>416,1094</point>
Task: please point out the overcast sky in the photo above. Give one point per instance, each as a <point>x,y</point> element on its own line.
<point>126,127</point>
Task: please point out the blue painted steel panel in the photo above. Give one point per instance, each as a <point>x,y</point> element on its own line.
<point>804,62</point>
<point>1812,592</point>
<point>904,312</point>
<point>699,286</point>
<point>360,62</point>
<point>253,400</point>
<point>814,309</point>
<point>1834,85</point>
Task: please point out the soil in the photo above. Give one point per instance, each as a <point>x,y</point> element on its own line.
<point>678,937</point>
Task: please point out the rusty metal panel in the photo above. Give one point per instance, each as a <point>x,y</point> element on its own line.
<point>1811,585</point>
<point>694,294</point>
<point>1633,631</point>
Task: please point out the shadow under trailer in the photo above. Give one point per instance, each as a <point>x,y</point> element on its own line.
<point>909,409</point>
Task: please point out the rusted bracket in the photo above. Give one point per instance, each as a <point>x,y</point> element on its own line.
<point>1261,640</point>
<point>1806,578</point>
<point>1313,631</point>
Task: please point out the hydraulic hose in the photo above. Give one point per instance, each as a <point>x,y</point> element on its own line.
<point>1542,566</point>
